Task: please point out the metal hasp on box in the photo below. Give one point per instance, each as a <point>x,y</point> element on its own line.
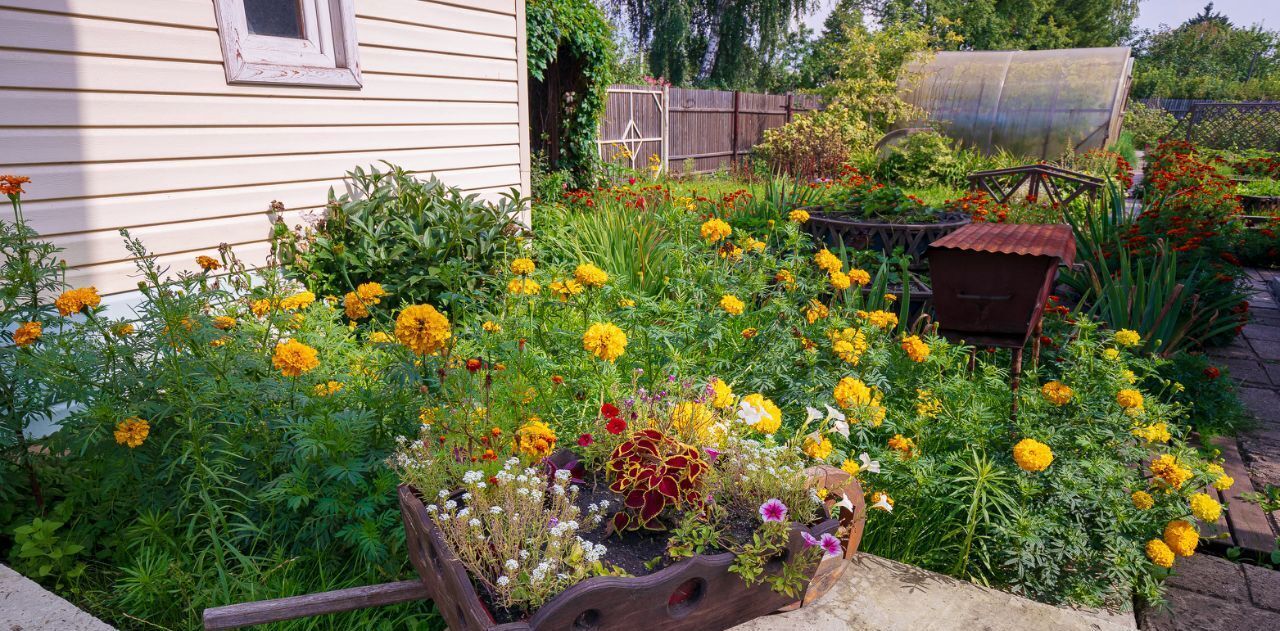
<point>991,281</point>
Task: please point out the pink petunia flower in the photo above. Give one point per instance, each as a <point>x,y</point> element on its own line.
<point>773,510</point>
<point>809,541</point>
<point>831,545</point>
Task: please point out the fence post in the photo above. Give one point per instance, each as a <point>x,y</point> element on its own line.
<point>789,97</point>
<point>733,141</point>
<point>666,130</point>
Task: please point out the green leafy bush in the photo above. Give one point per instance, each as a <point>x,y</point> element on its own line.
<point>1147,125</point>
<point>422,240</point>
<point>923,159</point>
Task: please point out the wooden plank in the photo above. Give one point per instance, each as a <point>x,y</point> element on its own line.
<point>98,109</point>
<point>1249,527</point>
<point>50,71</point>
<point>35,146</point>
<point>111,213</point>
<point>264,611</point>
<point>61,181</point>
<point>440,15</point>
<point>89,36</point>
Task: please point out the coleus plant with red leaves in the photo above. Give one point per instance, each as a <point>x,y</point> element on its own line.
<point>655,474</point>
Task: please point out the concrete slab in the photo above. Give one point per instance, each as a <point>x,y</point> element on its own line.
<point>877,594</point>
<point>1247,370</point>
<point>1264,587</point>
<point>26,606</point>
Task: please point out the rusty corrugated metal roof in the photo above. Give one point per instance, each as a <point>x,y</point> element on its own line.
<point>1053,240</point>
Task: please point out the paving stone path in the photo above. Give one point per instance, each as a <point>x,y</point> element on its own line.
<point>1210,593</point>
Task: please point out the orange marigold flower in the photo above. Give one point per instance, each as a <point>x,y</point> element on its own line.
<point>27,334</point>
<point>292,358</point>
<point>132,432</point>
<point>74,301</point>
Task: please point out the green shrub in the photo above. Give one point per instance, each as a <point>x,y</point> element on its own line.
<point>422,240</point>
<point>922,159</point>
<point>1147,125</point>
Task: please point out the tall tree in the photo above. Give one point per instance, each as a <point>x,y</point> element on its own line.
<point>1208,57</point>
<point>716,43</point>
<point>1012,24</point>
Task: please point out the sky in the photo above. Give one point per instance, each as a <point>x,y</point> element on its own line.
<point>1153,13</point>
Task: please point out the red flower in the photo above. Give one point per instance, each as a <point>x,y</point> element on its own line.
<point>585,440</point>
<point>493,480</point>
<point>1212,372</point>
<point>473,364</point>
<point>616,426</point>
<point>609,410</point>
<point>631,180</point>
<point>557,379</point>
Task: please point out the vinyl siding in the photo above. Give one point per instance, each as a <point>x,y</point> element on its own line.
<point>120,113</point>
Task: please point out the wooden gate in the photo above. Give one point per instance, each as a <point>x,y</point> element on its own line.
<point>634,128</point>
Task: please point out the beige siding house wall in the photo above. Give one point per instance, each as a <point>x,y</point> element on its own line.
<point>121,114</point>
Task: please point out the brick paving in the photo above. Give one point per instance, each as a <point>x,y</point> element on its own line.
<point>1210,593</point>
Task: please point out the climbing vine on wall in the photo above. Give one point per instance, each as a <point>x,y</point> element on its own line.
<point>575,36</point>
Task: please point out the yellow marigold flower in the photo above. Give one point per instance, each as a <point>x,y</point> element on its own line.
<point>370,293</point>
<point>523,286</point>
<point>566,289</point>
<point>731,304</point>
<point>207,263</point>
<point>1166,468</point>
<point>715,230</point>
<point>300,300</point>
<point>1128,376</point>
<point>721,395</point>
<point>1057,393</point>
<point>902,444</point>
<point>379,337</point>
<point>815,311</point>
<point>1128,338</point>
<point>818,449</point>
<point>260,307</point>
<point>423,329</point>
<point>749,332</point>
<point>522,267</point>
<point>915,348</point>
<point>605,340</point>
<point>798,215</point>
<point>890,298</point>
<point>218,343</point>
<point>827,261</point>
<point>74,301</point>
<point>771,420</point>
<point>874,413</point>
<point>1111,354</point>
<point>859,277</point>
<point>1159,553</point>
<point>882,319</point>
<point>535,439</point>
<point>785,278</point>
<point>1142,500</point>
<point>327,388</point>
<point>427,415</point>
<point>1032,455</point>
<point>850,467</point>
<point>626,303</point>
<point>731,252</point>
<point>927,405</point>
<point>1205,508</point>
<point>590,275</point>
<point>752,245</point>
<point>354,307</point>
<point>839,280</point>
<point>1224,482</point>
<point>1153,433</point>
<point>28,333</point>
<point>849,344</point>
<point>1181,537</point>
<point>1214,468</point>
<point>224,322</point>
<point>292,358</point>
<point>1129,398</point>
<point>850,392</point>
<point>691,420</point>
<point>490,326</point>
<point>123,329</point>
<point>132,432</point>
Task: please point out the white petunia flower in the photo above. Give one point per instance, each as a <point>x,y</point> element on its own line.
<point>868,465</point>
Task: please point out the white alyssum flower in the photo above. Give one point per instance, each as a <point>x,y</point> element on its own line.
<point>502,581</point>
<point>471,477</point>
<point>511,565</point>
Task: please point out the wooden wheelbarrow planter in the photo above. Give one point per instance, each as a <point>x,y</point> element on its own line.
<point>694,594</point>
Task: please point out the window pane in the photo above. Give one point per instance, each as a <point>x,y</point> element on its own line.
<point>278,18</point>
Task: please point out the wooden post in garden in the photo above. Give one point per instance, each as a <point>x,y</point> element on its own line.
<point>789,97</point>
<point>733,138</point>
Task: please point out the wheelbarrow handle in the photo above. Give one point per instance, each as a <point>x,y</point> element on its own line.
<point>277,609</point>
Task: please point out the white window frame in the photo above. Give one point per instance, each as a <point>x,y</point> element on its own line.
<point>326,56</point>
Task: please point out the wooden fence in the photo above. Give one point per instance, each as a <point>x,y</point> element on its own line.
<point>670,129</point>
